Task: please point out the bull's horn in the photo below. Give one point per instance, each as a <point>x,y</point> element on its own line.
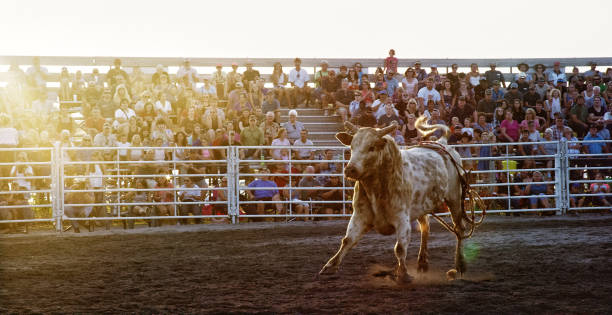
<point>350,127</point>
<point>388,129</point>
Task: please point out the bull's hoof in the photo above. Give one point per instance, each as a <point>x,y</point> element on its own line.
<point>451,275</point>
<point>422,268</point>
<point>328,270</point>
<point>403,278</point>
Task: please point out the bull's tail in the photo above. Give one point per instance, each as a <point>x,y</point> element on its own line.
<point>427,129</point>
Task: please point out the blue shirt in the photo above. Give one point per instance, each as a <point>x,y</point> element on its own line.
<point>392,84</point>
<point>496,96</point>
<point>594,147</point>
<point>264,193</point>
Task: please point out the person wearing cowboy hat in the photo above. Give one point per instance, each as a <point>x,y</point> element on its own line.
<point>493,75</point>
<point>523,68</point>
<point>218,80</point>
<point>539,72</point>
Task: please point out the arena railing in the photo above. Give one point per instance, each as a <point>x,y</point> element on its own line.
<point>500,178</point>
<point>583,189</point>
<point>148,64</point>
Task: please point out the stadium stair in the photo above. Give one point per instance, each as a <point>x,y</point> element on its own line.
<point>321,129</point>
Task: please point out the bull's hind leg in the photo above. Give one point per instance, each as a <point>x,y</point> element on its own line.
<point>355,230</point>
<point>404,229</point>
<point>422,261</point>
<point>457,216</point>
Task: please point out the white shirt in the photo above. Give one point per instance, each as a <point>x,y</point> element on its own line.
<point>424,93</point>
<point>276,152</point>
<point>552,76</point>
<point>409,86</point>
<point>303,153</point>
<point>9,136</point>
<point>166,108</point>
<point>123,152</point>
<point>125,114</point>
<point>190,194</point>
<point>381,109</point>
<point>190,73</point>
<point>299,78</point>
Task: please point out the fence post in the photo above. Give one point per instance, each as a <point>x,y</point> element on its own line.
<point>232,184</point>
<point>56,186</point>
<point>562,200</point>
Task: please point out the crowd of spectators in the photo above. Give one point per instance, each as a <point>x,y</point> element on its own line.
<point>186,108</point>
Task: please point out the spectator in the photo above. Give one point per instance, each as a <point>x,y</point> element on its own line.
<point>513,94</point>
<point>293,126</point>
<point>281,140</point>
<point>299,78</point>
<point>523,68</point>
<point>553,103</point>
<point>270,194</point>
<point>187,74</point>
<point>539,75</point>
<point>463,110</point>
<point>573,148</point>
<point>494,75</point>
<point>556,73</point>
<point>37,77</point>
<point>305,195</point>
<point>517,109</point>
<point>388,117</point>
<point>600,188</point>
<point>534,188</point>
<point>304,154</point>
<point>486,106</point>
<point>159,72</point>
<point>190,192</point>
<point>269,127</point>
<point>421,74</point>
<point>578,117</point>
<point>250,76</point>
<point>474,76</point>
<point>594,147</point>
<point>497,94</point>
<point>522,83</point>
<point>105,138</point>
<point>509,128</point>
<point>428,93</point>
<point>332,194</point>
<point>391,63</point>
<point>252,136</point>
<point>410,83</point>
<point>219,81</point>
<point>279,80</point>
<point>531,97</point>
<point>596,112</point>
<point>164,197</point>
<point>116,74</point>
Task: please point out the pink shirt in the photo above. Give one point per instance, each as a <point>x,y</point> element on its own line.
<point>512,129</point>
<point>536,123</point>
<point>391,64</point>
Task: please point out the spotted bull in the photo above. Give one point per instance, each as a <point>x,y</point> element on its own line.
<point>394,187</point>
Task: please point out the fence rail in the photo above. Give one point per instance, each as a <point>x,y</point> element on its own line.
<point>236,189</point>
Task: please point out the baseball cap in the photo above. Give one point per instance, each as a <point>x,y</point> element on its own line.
<point>560,80</point>
<point>382,92</point>
<point>434,66</point>
<point>324,62</point>
<point>522,75</point>
<point>514,86</point>
<point>557,63</point>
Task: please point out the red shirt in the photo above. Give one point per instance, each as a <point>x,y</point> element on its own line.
<point>391,64</point>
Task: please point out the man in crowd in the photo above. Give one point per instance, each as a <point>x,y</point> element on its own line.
<point>495,75</point>
<point>304,154</point>
<point>293,126</point>
<point>343,98</point>
<point>428,92</point>
<point>114,73</point>
<point>252,136</point>
<point>487,106</point>
<point>187,74</point>
<point>298,78</point>
<point>105,138</point>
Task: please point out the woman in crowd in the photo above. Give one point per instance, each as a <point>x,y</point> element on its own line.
<point>367,95</point>
<point>473,76</point>
<point>447,95</point>
<point>535,189</point>
<point>121,93</point>
<point>162,104</point>
<point>517,110</point>
<point>530,116</point>
<point>539,72</point>
<point>279,80</point>
<point>281,140</point>
<point>509,128</point>
<point>353,79</point>
<point>466,92</point>
<point>410,133</point>
<point>410,83</point>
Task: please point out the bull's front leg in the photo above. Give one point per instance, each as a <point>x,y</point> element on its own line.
<point>356,228</point>
<point>404,230</point>
<point>422,261</point>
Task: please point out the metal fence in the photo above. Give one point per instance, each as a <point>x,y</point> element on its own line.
<point>170,185</point>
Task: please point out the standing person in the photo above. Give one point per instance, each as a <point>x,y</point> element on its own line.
<point>249,76</point>
<point>299,78</point>
<point>421,74</point>
<point>187,74</point>
<point>218,80</point>
<point>474,75</point>
<point>252,136</point>
<point>391,63</point>
<point>115,74</point>
<point>495,75</point>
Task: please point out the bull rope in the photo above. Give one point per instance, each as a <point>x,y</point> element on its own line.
<point>466,190</point>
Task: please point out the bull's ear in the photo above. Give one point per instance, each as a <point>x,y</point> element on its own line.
<point>345,138</point>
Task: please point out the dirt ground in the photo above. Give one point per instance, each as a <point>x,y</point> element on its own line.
<point>515,265</point>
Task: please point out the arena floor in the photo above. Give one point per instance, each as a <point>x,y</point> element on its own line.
<point>527,265</point>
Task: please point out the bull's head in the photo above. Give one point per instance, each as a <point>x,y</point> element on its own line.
<point>367,146</point>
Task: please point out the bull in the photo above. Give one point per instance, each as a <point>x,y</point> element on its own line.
<point>395,187</point>
<point>71,211</point>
